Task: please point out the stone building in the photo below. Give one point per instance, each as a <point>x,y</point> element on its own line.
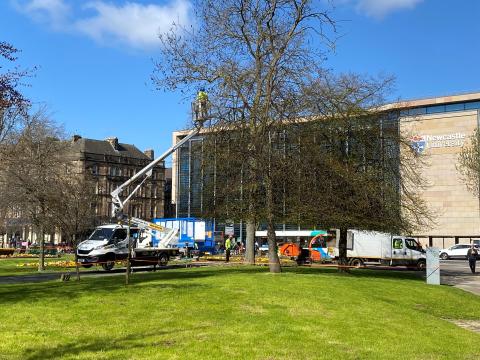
<point>111,163</point>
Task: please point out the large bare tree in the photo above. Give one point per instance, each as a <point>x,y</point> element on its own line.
<point>254,58</point>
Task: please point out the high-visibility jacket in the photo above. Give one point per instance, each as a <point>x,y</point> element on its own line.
<point>228,244</point>
<point>202,96</point>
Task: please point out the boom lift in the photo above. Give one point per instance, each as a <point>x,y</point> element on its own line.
<point>109,243</point>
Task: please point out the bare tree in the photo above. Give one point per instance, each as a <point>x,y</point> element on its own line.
<point>73,204</point>
<point>13,104</point>
<point>354,160</point>
<point>255,57</point>
<point>32,173</point>
<point>469,163</point>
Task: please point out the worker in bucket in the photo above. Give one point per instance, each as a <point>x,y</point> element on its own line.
<point>202,103</point>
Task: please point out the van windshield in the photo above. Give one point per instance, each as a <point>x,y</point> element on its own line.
<point>413,244</point>
<point>101,234</point>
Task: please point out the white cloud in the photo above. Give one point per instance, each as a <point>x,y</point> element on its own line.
<point>381,8</point>
<point>52,12</point>
<point>131,23</point>
<point>134,24</point>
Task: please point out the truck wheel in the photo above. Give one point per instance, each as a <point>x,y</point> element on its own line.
<point>109,263</point>
<point>421,265</point>
<point>356,263</point>
<point>444,256</point>
<point>162,259</point>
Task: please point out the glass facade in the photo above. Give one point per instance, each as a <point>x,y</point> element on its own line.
<point>434,109</point>
<point>190,177</point>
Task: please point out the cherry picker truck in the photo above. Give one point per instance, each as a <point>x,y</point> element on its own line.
<point>148,243</point>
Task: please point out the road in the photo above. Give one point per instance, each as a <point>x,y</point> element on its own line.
<point>457,273</point>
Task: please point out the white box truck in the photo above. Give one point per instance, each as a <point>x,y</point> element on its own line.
<point>382,248</point>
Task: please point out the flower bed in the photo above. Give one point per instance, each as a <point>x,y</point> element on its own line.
<point>64,264</point>
<point>240,259</point>
<point>26,256</point>
<point>58,264</point>
<point>6,251</point>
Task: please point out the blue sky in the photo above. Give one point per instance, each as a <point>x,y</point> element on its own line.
<point>94,58</point>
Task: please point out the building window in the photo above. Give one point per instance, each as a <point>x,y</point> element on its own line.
<point>95,170</point>
<point>115,171</point>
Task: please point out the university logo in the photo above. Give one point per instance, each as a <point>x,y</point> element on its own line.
<point>418,143</point>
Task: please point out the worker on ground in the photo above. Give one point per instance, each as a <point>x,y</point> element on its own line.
<point>228,247</point>
<point>202,103</point>
<point>472,255</point>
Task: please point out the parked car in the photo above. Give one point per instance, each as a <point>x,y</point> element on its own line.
<point>458,251</point>
<point>263,249</point>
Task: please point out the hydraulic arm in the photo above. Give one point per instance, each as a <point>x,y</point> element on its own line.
<point>144,174</point>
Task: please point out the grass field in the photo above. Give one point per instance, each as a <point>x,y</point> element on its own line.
<point>238,313</point>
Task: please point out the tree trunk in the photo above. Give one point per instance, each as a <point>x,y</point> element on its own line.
<point>41,255</point>
<point>273,260</point>
<point>77,268</point>
<point>342,251</point>
<point>250,243</point>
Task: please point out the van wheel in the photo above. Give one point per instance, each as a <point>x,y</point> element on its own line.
<point>444,256</point>
<point>356,263</point>
<point>162,259</point>
<point>108,264</point>
<point>421,265</point>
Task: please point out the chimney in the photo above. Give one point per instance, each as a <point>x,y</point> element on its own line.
<point>76,138</point>
<point>113,141</point>
<point>149,153</point>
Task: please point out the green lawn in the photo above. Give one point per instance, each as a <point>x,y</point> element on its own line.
<point>238,313</point>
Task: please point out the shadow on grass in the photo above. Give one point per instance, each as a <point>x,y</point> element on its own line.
<point>102,286</point>
<point>124,346</point>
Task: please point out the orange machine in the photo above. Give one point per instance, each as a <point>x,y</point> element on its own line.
<point>318,249</point>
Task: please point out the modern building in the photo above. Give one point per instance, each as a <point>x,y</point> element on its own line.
<point>438,128</point>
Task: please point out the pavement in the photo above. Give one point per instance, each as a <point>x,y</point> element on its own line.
<point>457,273</point>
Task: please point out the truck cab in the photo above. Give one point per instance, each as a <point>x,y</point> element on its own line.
<point>407,251</point>
<point>107,244</point>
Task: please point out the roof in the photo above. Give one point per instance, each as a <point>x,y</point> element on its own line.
<point>104,147</point>
<point>439,100</point>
